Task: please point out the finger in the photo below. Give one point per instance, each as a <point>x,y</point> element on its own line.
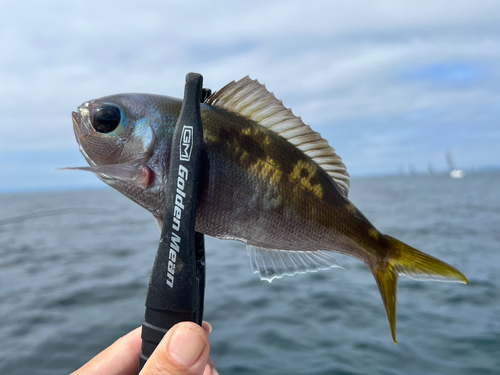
<point>183,351</point>
<point>121,358</point>
<point>207,327</point>
<point>210,368</point>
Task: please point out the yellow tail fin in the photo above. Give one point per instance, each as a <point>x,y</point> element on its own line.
<point>405,260</point>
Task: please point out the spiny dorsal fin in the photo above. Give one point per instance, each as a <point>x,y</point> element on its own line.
<point>250,99</point>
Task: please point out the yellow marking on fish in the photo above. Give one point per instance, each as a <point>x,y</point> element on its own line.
<point>373,233</point>
<point>351,208</point>
<point>318,191</point>
<point>244,157</point>
<point>304,172</point>
<point>255,133</point>
<point>209,136</point>
<point>248,131</point>
<point>267,141</point>
<point>268,169</point>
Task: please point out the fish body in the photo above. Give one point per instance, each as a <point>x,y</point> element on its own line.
<point>267,180</point>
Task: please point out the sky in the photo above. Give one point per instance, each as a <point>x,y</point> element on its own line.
<point>392,85</point>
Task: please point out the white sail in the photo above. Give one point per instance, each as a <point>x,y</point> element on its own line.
<point>454,171</point>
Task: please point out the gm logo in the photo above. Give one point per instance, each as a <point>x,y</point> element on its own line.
<point>186,143</point>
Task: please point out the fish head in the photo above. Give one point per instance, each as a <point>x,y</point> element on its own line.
<point>126,139</point>
<point>116,129</point>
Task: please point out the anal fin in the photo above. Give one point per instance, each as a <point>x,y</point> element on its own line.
<point>273,264</point>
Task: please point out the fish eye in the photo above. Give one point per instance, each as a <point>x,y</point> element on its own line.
<point>106,118</point>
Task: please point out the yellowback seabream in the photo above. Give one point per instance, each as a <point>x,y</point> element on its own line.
<point>268,180</point>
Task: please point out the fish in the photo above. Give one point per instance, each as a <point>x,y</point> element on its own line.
<point>267,179</point>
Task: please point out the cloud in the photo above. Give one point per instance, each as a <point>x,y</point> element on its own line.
<point>350,69</point>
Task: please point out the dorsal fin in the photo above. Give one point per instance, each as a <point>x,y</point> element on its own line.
<point>250,99</point>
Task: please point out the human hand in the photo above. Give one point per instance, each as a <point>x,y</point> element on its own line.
<point>183,351</point>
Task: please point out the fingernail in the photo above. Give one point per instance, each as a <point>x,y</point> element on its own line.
<point>210,370</point>
<point>186,345</point>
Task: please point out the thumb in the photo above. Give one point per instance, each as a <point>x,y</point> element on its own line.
<point>183,351</point>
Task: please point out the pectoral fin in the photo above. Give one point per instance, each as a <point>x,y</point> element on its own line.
<point>138,175</point>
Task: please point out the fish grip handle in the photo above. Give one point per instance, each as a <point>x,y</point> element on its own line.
<point>177,284</point>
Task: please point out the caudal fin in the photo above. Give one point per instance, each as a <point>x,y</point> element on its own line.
<point>405,260</point>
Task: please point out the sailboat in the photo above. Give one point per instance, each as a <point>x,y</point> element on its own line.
<point>431,170</point>
<point>454,173</point>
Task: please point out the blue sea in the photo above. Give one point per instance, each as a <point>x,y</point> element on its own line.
<point>75,266</point>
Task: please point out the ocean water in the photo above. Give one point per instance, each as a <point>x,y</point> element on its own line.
<point>74,279</point>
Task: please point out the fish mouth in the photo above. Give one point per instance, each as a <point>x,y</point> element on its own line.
<point>80,126</point>
<point>81,129</point>
<point>77,121</point>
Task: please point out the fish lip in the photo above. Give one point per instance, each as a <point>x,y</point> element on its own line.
<point>81,130</point>
<point>77,120</point>
<point>79,124</point>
